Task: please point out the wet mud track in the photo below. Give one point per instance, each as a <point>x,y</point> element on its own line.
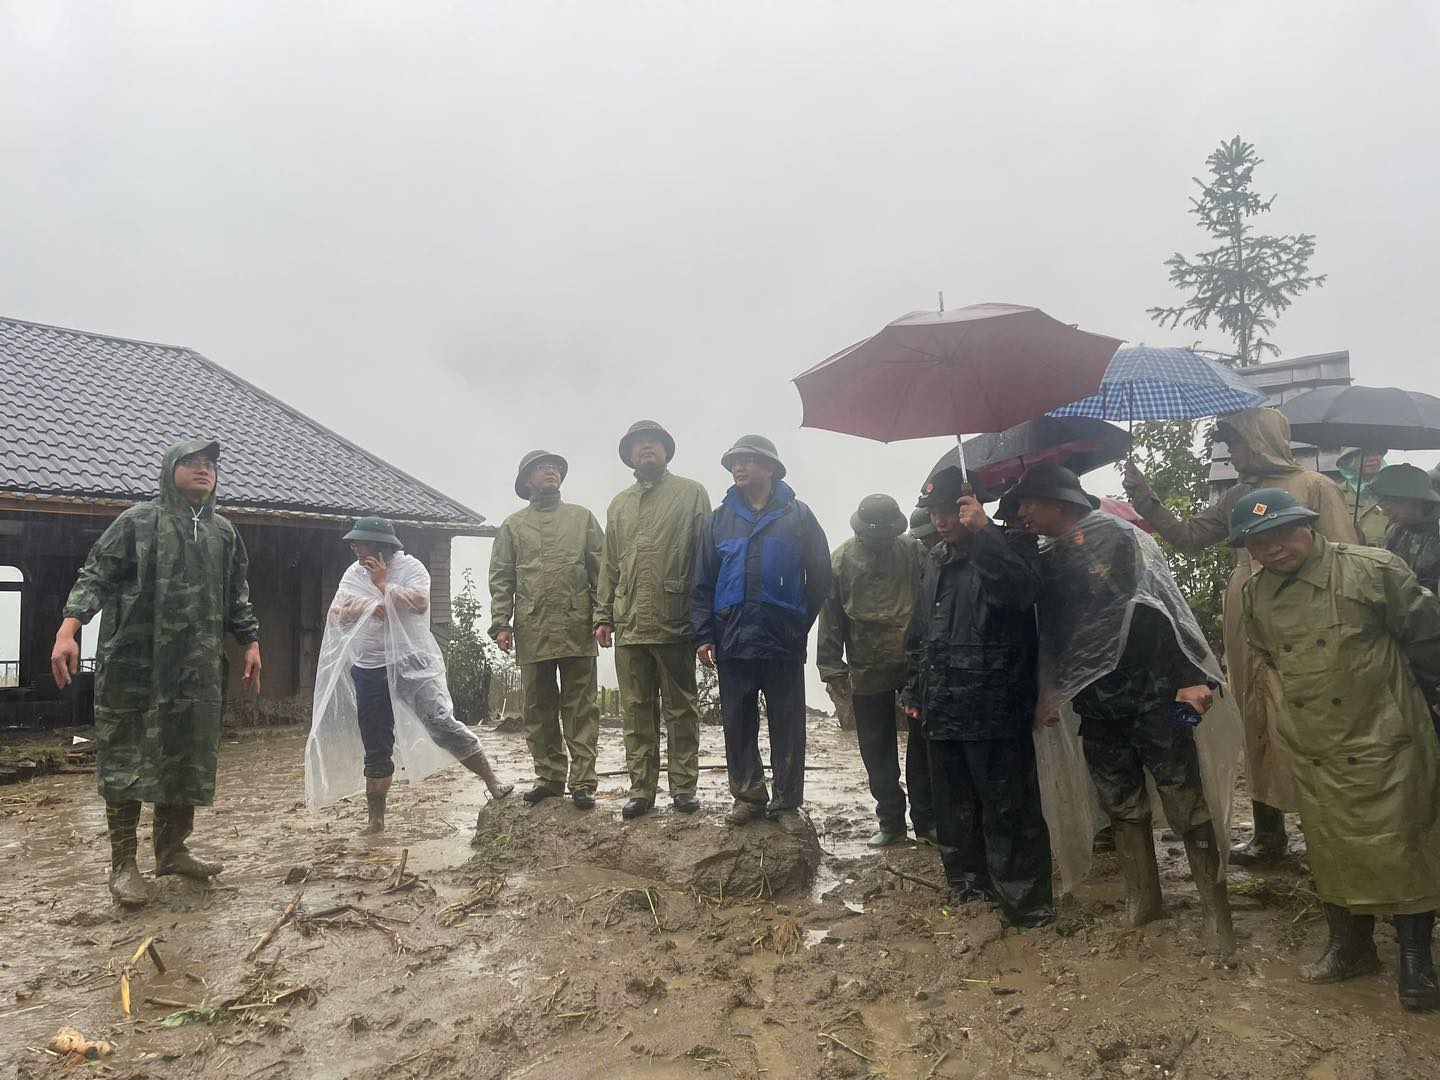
<point>551,942</point>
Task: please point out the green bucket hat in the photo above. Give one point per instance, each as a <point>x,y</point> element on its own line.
<point>529,461</point>
<point>760,447</point>
<point>878,518</point>
<point>1403,482</point>
<point>373,530</point>
<point>646,427</point>
<point>921,527</point>
<point>1263,510</point>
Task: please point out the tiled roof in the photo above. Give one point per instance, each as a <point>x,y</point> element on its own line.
<point>85,415</point>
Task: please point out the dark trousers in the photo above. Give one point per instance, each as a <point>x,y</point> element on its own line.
<point>880,751</point>
<point>783,684</point>
<point>992,834</point>
<point>1119,750</point>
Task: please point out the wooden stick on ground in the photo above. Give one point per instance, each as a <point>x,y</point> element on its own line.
<point>285,917</point>
<point>911,878</point>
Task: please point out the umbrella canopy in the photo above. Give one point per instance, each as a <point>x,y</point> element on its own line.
<point>1147,383</point>
<point>985,367</point>
<point>1078,443</point>
<point>1369,416</point>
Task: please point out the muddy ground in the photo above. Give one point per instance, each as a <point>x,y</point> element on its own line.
<point>550,942</point>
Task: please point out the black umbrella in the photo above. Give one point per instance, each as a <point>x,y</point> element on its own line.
<point>1372,417</point>
<point>1077,442</point>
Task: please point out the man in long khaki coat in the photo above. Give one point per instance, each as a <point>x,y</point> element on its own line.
<point>1355,643</point>
<point>1259,441</point>
<point>644,610</point>
<point>860,652</point>
<point>544,569</point>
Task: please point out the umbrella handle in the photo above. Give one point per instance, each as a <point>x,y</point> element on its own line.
<point>960,453</point>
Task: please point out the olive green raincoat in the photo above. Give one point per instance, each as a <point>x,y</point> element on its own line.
<point>544,569</point>
<point>1352,637</point>
<point>1372,521</point>
<point>649,564</point>
<point>1267,433</point>
<point>172,582</point>
<point>863,622</point>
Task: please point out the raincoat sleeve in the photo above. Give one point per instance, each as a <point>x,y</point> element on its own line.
<point>1210,526</point>
<point>1008,563</point>
<point>1250,623</point>
<point>702,590</point>
<point>104,570</point>
<point>818,574</point>
<point>240,619</point>
<point>1412,615</point>
<point>609,572</point>
<point>594,556</point>
<point>502,581</point>
<point>834,624</point>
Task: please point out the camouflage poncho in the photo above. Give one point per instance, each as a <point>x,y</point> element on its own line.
<point>171,581</point>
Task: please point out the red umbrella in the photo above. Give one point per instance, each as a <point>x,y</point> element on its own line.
<point>985,367</point>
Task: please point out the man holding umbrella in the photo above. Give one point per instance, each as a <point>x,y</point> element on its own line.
<point>1259,441</point>
<point>861,655</point>
<point>644,610</point>
<point>1358,469</point>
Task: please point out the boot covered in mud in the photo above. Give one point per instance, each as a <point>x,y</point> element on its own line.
<point>1268,844</point>
<point>1204,857</point>
<point>127,886</point>
<point>1135,845</point>
<point>1349,948</point>
<point>479,764</point>
<point>376,788</point>
<point>1419,988</point>
<point>173,825</point>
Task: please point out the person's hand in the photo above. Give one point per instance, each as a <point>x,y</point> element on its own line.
<point>1199,698</point>
<point>251,678</point>
<point>376,568</point>
<point>912,712</point>
<point>506,640</point>
<point>64,659</point>
<point>972,514</point>
<point>1134,481</point>
<point>605,635</point>
<point>839,685</point>
<point>706,655</point>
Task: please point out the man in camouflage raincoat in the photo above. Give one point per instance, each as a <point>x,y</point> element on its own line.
<point>170,576</point>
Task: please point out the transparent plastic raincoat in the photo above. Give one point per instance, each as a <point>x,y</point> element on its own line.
<point>419,696</point>
<point>1095,576</point>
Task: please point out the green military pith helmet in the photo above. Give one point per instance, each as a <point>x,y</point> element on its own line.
<point>878,518</point>
<point>921,527</point>
<point>759,446</point>
<point>529,461</point>
<point>1263,510</point>
<point>646,427</point>
<point>1403,482</point>
<point>373,530</point>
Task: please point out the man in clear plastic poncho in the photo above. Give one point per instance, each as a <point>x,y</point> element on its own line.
<point>380,696</point>
<point>1118,641</point>
<point>171,577</point>
<point>1259,441</point>
<point>1358,469</point>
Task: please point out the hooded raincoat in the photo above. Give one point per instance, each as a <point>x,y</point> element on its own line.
<point>1371,521</point>
<point>1354,642</point>
<point>544,568</point>
<point>171,580</point>
<point>864,620</point>
<point>1267,433</point>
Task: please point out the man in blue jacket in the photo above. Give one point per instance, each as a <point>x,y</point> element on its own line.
<point>762,573</point>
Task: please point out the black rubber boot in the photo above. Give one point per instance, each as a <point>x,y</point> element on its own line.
<point>127,887</point>
<point>1349,950</point>
<point>1268,844</point>
<point>634,808</point>
<point>1135,844</point>
<point>1204,857</point>
<point>173,825</point>
<point>1419,989</point>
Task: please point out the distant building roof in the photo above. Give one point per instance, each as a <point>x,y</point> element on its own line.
<point>1282,380</point>
<point>89,417</point>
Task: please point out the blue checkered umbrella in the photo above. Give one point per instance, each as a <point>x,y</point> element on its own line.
<point>1146,383</point>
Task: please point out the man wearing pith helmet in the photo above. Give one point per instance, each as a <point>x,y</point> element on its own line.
<point>860,651</point>
<point>1412,506</point>
<point>544,569</point>
<point>1355,642</point>
<point>643,609</point>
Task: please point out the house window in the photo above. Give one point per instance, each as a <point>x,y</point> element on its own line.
<point>12,581</point>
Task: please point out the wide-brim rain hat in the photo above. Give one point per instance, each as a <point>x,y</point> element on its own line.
<point>529,461</point>
<point>373,530</point>
<point>1263,510</point>
<point>646,427</point>
<point>759,446</point>
<point>1403,482</point>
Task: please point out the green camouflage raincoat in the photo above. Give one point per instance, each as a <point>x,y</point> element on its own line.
<point>649,564</point>
<point>1355,640</point>
<point>864,620</point>
<point>544,569</point>
<point>172,582</point>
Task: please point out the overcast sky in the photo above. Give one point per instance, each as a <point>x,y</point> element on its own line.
<point>457,232</point>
